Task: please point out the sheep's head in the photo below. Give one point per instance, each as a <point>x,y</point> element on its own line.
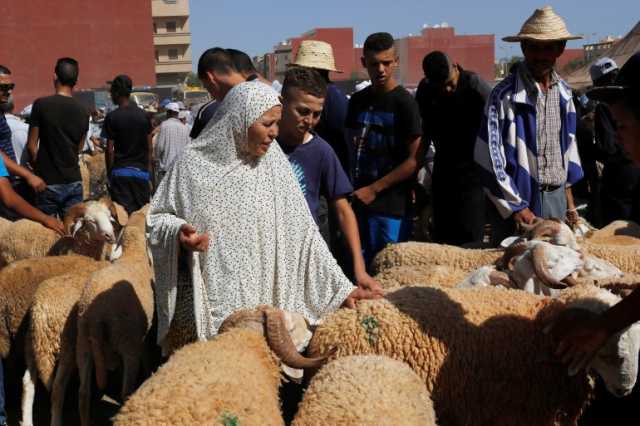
<point>617,362</point>
<point>95,220</point>
<point>552,230</point>
<point>279,331</point>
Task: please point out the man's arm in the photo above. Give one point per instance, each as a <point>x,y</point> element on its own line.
<point>108,156</point>
<point>16,203</point>
<point>349,227</point>
<point>32,145</point>
<point>17,170</point>
<point>404,171</point>
<point>150,152</point>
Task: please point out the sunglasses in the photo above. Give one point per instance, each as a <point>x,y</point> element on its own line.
<point>7,87</point>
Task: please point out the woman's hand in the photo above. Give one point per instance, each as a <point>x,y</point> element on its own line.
<point>191,240</point>
<point>359,294</point>
<point>366,282</point>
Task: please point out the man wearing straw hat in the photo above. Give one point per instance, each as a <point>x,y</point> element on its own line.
<point>526,145</point>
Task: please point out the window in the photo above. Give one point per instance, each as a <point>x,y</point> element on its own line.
<point>155,28</point>
<point>157,56</point>
<point>171,27</point>
<point>173,54</point>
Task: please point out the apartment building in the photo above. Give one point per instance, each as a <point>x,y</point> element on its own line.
<point>171,40</point>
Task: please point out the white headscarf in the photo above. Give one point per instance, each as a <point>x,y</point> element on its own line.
<point>264,246</point>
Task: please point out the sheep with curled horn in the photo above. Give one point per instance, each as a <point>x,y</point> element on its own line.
<point>233,378</point>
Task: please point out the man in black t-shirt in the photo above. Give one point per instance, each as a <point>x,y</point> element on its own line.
<point>129,149</point>
<point>384,124</point>
<point>218,73</point>
<point>451,102</point>
<point>60,124</point>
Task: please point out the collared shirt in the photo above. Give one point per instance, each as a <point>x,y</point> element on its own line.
<point>172,139</point>
<point>550,162</point>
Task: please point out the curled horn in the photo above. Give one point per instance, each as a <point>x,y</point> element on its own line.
<point>510,253</point>
<point>538,258</point>
<point>499,278</point>
<point>281,344</point>
<point>73,214</point>
<point>117,211</point>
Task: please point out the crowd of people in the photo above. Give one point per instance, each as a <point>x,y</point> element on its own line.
<point>237,221</point>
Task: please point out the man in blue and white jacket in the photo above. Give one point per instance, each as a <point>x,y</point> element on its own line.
<point>526,145</point>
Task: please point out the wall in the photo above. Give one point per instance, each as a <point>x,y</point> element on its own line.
<point>107,37</point>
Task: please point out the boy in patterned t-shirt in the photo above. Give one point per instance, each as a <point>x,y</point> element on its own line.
<point>314,162</point>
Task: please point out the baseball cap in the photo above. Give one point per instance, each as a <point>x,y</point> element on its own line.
<point>602,67</point>
<point>627,81</point>
<point>172,106</point>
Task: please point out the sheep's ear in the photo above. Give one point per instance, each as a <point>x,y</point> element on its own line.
<point>119,213</point>
<point>73,214</point>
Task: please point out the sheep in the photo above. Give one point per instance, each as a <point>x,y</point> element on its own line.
<point>617,228</point>
<point>51,339</point>
<point>231,379</point>
<point>420,275</point>
<point>416,254</point>
<point>623,257</point>
<point>18,283</point>
<point>115,313</point>
<point>366,390</point>
<point>95,180</point>
<point>483,353</point>
<point>90,229</point>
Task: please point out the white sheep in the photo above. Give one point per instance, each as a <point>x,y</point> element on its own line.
<point>94,177</point>
<point>366,390</point>
<point>483,353</point>
<point>231,379</point>
<point>115,313</point>
<point>91,227</point>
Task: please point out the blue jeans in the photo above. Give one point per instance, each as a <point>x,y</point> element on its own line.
<point>57,199</point>
<point>3,415</point>
<point>376,231</point>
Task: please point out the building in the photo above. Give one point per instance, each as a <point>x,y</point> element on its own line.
<point>104,37</point>
<point>594,50</point>
<point>475,52</point>
<point>569,58</point>
<point>171,40</point>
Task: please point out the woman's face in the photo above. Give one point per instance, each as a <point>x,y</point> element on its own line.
<point>263,131</point>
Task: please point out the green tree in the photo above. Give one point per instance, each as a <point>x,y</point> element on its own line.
<point>193,80</point>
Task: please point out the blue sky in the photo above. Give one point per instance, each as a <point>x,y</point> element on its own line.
<point>256,26</point>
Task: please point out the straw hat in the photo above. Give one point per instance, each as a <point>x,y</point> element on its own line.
<point>316,54</point>
<point>543,25</point>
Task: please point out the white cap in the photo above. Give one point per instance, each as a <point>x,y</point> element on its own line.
<point>602,67</point>
<point>172,106</point>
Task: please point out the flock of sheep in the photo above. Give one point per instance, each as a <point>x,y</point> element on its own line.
<point>458,339</point>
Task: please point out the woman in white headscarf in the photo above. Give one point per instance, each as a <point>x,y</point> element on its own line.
<point>232,206</point>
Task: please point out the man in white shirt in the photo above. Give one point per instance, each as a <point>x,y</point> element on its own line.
<point>19,133</point>
<point>172,138</point>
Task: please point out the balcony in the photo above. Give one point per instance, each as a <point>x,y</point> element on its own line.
<point>163,8</point>
<point>177,38</point>
<point>167,66</point>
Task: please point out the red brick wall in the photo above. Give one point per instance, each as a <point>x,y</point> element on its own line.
<point>107,37</point>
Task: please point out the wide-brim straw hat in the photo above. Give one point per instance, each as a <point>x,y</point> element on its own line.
<point>543,25</point>
<point>316,54</point>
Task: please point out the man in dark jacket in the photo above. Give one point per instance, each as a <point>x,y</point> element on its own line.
<point>451,102</point>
